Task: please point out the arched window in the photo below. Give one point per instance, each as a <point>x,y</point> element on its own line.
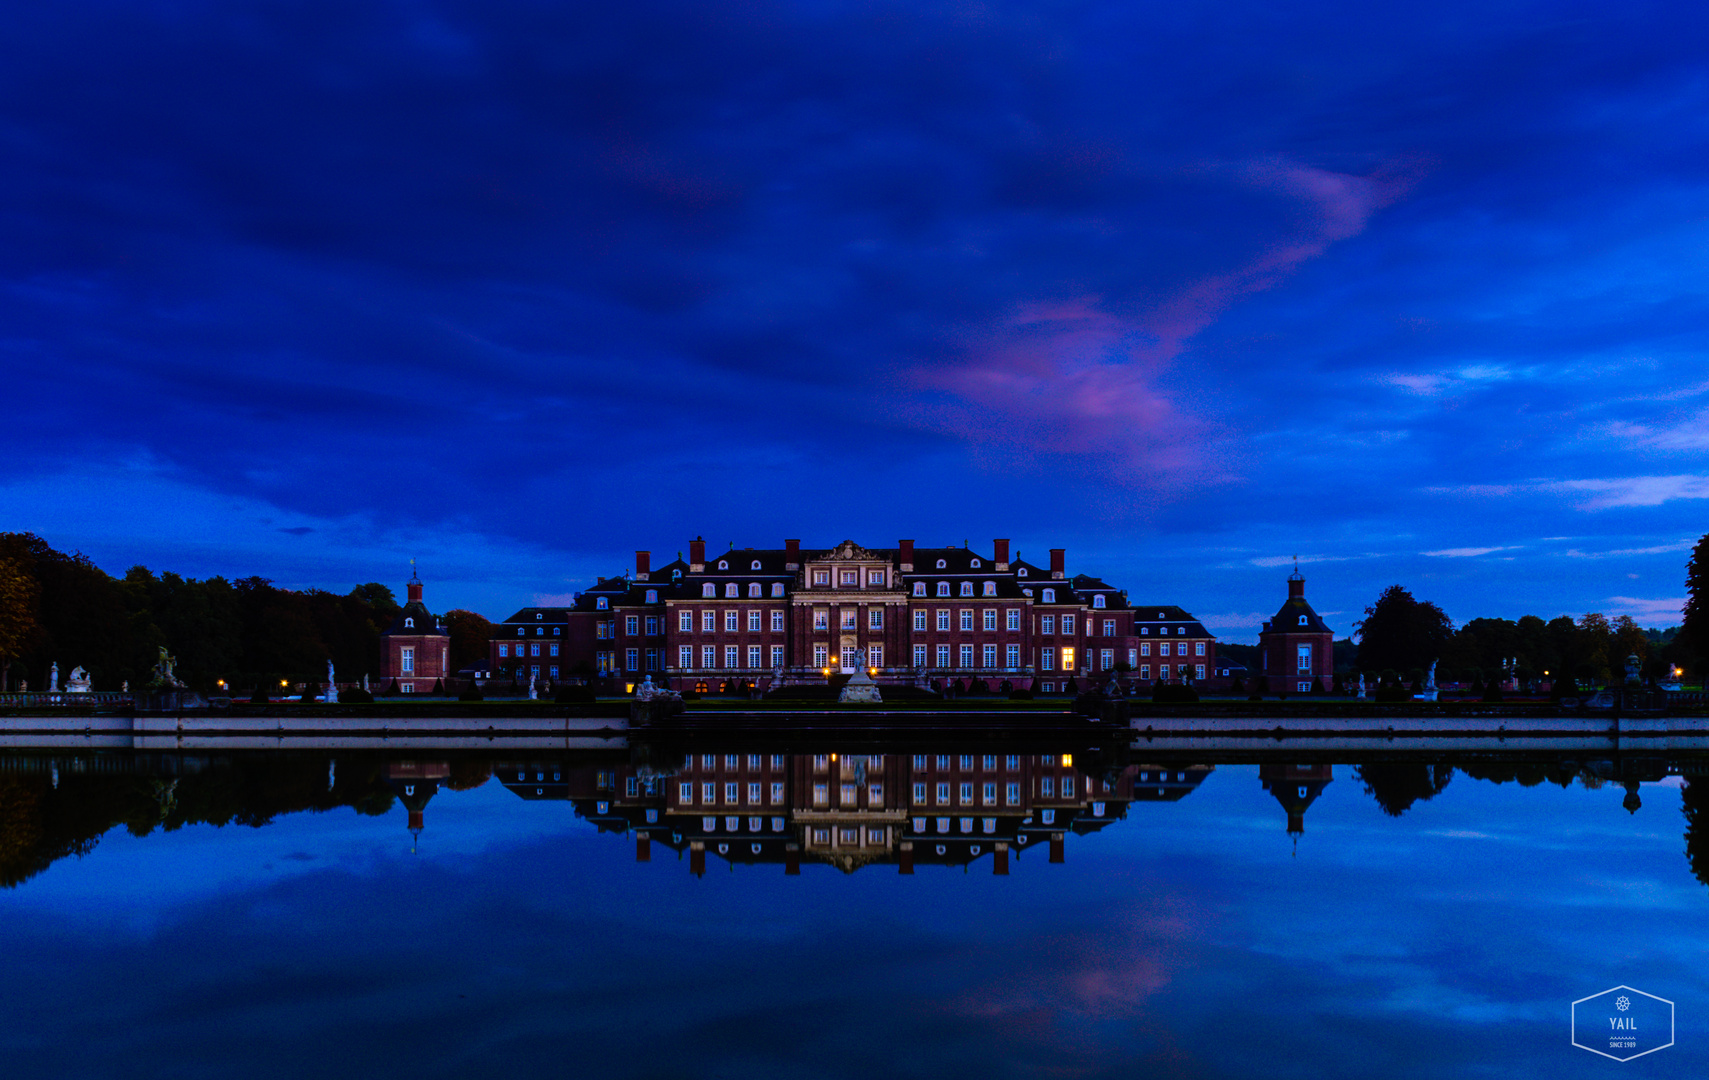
<point>919,588</point>
<point>1098,601</point>
<point>967,588</point>
<point>777,588</point>
<point>754,589</point>
<point>1050,596</point>
<point>730,589</point>
<point>1304,621</point>
<point>409,623</point>
<point>709,589</point>
<point>602,603</point>
<point>943,588</point>
<point>976,564</point>
<point>652,596</point>
<point>990,588</point>
<point>1022,572</point>
<point>723,564</point>
<point>942,564</point>
<point>755,566</point>
<point>676,575</point>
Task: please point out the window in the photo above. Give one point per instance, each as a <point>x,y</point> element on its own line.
<point>989,619</point>
<point>1047,624</point>
<point>919,588</point>
<point>821,655</point>
<point>632,658</point>
<point>1047,787</point>
<point>777,622</point>
<point>1145,671</point>
<point>730,791</point>
<point>1304,688</point>
<point>1305,660</point>
<point>777,656</point>
<point>709,656</point>
<point>1068,659</point>
<point>754,656</point>
<point>1050,596</point>
<point>409,623</point>
<point>504,650</point>
<point>943,794</point>
<point>875,619</point>
<point>685,621</point>
<point>967,588</point>
<point>1047,659</point>
<point>1198,648</point>
<point>850,616</point>
<point>732,618</point>
<point>821,618</point>
<point>821,794</point>
<point>406,660</point>
<point>1144,630</point>
<point>1067,787</point>
<point>730,590</point>
<point>967,618</point>
<point>990,793</point>
<point>709,589</point>
<point>1022,572</point>
<point>755,565</point>
<point>1098,600</point>
<point>553,649</point>
<point>1012,656</point>
<point>942,564</point>
<point>967,656</point>
<point>821,577</point>
<point>686,792</point>
<point>1106,659</point>
<point>875,656</point>
<point>1304,621</point>
<point>1068,624</point>
<point>709,620</point>
<point>652,596</point>
<point>851,579</point>
<point>685,656</point>
<point>919,618</point>
<point>753,795</point>
<point>874,795</point>
<point>1012,793</point>
<point>974,564</point>
<point>723,564</point>
<point>534,650</point>
<point>777,588</point>
<point>943,588</point>
<point>943,618</point>
<point>557,631</point>
<point>632,625</point>
<point>919,656</point>
<point>1013,622</point>
<point>1199,671</point>
<point>990,653</point>
<point>755,590</point>
<point>754,618</point>
<point>875,579</point>
<point>1145,648</point>
<point>943,761</point>
<point>730,656</point>
<point>776,794</point>
<point>652,626</point>
<point>1109,628</point>
<point>967,794</point>
<point>847,661</point>
<point>943,656</point>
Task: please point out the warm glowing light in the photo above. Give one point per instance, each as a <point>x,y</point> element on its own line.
<point>833,757</point>
<point>281,682</point>
<point>1068,759</point>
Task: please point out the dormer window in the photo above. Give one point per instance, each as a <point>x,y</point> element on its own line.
<point>1144,631</point>
<point>755,566</point>
<point>723,564</point>
<point>1304,621</point>
<point>919,588</point>
<point>709,590</point>
<point>1098,601</point>
<point>408,623</point>
<point>943,588</point>
<point>676,575</point>
<point>730,590</point>
<point>557,631</point>
<point>990,588</point>
<point>777,588</point>
<point>942,564</point>
<point>754,590</point>
<point>601,603</point>
<point>1160,615</point>
<point>538,615</point>
<point>1026,592</point>
<point>975,564</point>
<point>1022,572</point>
<point>967,588</point>
<point>652,596</point>
<point>1050,596</point>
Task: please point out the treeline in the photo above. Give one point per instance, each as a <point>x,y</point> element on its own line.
<point>61,608</point>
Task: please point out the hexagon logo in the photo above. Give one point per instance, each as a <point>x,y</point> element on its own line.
<point>1622,1023</point>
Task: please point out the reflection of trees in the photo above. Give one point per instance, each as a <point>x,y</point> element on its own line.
<point>1694,799</point>
<point>1397,785</point>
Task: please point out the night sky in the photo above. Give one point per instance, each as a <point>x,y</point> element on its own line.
<point>1412,291</point>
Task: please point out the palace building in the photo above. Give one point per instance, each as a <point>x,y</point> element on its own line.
<point>761,618</point>
<point>1297,646</point>
<point>415,651</point>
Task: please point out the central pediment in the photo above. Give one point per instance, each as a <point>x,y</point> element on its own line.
<point>848,551</point>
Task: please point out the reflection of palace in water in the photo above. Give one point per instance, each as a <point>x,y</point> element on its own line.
<point>851,810</point>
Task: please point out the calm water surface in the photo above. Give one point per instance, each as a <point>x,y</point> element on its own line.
<point>277,915</point>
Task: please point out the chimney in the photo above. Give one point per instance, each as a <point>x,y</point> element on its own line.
<point>906,555</point>
<point>1058,561</point>
<point>905,858</point>
<point>697,555</point>
<point>792,554</point>
<point>697,858</point>
<point>1000,861</point>
<point>643,565</point>
<point>1002,554</point>
<point>643,848</point>
<point>792,860</point>
<point>1055,847</point>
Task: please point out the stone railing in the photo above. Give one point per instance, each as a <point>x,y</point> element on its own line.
<point>34,699</point>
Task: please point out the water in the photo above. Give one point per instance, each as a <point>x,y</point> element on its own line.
<point>237,915</point>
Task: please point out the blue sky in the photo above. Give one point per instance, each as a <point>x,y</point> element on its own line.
<point>1411,291</point>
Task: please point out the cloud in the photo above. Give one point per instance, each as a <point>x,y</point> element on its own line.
<point>554,599</point>
<point>1657,549</point>
<point>1689,434</point>
<point>1465,552</point>
<point>298,530</point>
<point>1234,619</point>
<point>1665,610</point>
<point>1289,560</point>
<point>1634,490</point>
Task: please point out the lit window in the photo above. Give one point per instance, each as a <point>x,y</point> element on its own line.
<point>990,588</point>
<point>1050,596</point>
<point>850,616</point>
<point>919,588</point>
<point>777,588</point>
<point>821,618</point>
<point>602,603</point>
<point>1068,659</point>
<point>967,588</point>
<point>730,590</point>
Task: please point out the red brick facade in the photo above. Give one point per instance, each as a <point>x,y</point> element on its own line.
<point>1297,646</point>
<point>415,651</point>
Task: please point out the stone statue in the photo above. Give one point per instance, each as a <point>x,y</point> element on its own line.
<point>777,676</point>
<point>331,695</point>
<point>533,694</point>
<point>125,687</point>
<point>1633,664</point>
<point>164,677</point>
<point>53,678</point>
<point>1361,686</point>
<point>645,691</point>
<point>78,681</point>
<point>860,688</point>
<point>1430,679</point>
<point>364,680</point>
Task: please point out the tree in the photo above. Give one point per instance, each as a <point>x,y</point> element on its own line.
<point>1695,629</point>
<point>1400,632</point>
<point>469,636</point>
<point>19,624</point>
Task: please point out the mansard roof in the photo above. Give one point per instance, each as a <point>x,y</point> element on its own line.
<point>422,623</point>
<point>1287,620</point>
<point>1168,615</point>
